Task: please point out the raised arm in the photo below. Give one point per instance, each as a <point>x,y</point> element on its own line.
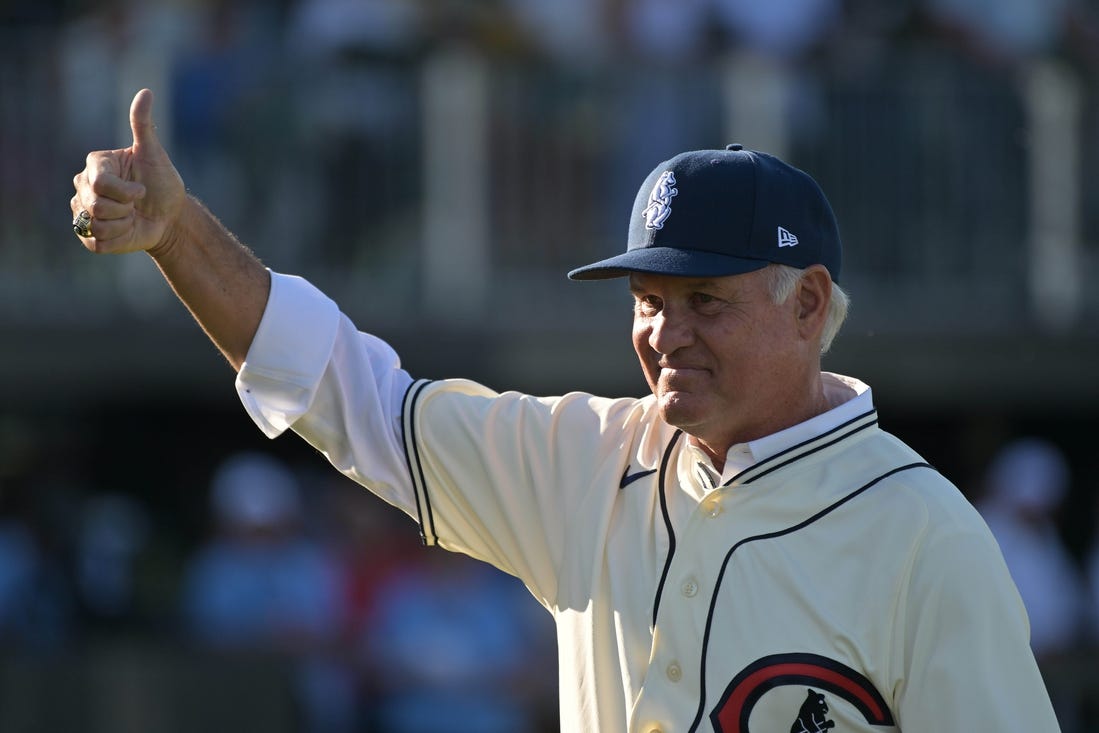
<point>137,202</point>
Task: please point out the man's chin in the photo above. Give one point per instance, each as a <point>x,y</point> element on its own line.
<point>677,409</point>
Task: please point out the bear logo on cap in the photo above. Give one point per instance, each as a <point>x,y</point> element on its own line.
<point>660,201</point>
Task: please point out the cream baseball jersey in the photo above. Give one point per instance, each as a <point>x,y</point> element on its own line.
<point>840,583</point>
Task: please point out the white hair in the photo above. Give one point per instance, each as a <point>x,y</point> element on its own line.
<point>782,281</point>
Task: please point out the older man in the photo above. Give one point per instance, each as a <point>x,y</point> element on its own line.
<point>743,549</point>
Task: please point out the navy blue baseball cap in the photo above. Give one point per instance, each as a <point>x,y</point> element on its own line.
<point>710,213</point>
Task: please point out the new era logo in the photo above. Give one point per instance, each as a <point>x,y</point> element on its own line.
<point>786,238</point>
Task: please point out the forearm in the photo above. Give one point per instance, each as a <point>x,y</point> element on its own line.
<point>223,285</point>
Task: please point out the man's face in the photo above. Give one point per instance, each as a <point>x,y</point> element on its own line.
<point>725,362</point>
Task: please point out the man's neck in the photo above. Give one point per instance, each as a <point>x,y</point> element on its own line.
<point>816,402</point>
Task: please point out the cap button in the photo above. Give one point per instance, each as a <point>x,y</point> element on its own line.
<point>734,146</point>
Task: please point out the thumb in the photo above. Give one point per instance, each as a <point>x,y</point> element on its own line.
<point>146,141</point>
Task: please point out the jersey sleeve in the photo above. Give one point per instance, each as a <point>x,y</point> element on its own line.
<point>528,484</point>
<point>966,654</point>
<point>310,370</point>
<point>521,482</point>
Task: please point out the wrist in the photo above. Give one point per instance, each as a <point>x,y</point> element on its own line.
<point>174,235</point>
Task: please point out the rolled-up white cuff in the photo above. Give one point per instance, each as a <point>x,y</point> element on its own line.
<point>288,355</point>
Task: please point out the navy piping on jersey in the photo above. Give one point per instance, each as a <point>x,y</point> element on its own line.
<point>424,516</point>
<point>770,459</point>
<point>770,535</point>
<point>667,520</point>
<point>784,453</point>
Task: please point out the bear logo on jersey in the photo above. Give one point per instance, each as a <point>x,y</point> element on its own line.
<point>813,716</point>
<point>734,707</point>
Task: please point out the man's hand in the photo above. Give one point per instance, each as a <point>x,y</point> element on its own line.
<point>134,195</point>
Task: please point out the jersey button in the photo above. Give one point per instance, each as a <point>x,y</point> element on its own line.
<point>675,674</point>
<point>712,508</point>
<point>689,587</point>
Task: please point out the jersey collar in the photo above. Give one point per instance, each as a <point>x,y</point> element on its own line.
<point>848,397</point>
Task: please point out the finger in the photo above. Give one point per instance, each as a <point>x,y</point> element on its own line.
<point>113,188</point>
<point>99,207</point>
<point>87,199</point>
<point>106,209</point>
<point>100,178</point>
<point>109,219</point>
<point>107,233</point>
<point>106,237</point>
<point>146,141</point>
<point>77,207</point>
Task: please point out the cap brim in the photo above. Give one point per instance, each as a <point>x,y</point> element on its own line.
<point>667,261</point>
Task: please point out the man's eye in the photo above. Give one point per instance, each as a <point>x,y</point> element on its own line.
<point>648,305</point>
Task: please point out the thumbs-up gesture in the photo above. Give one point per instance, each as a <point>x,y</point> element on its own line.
<point>128,200</point>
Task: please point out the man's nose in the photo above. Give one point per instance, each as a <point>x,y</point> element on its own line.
<point>669,333</point>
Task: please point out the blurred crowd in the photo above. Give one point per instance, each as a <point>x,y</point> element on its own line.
<point>293,568</point>
<point>381,634</point>
<point>242,84</point>
<point>1022,497</point>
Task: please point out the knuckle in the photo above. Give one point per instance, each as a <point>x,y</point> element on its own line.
<point>104,187</point>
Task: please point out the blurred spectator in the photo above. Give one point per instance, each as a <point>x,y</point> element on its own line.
<point>113,530</point>
<point>1091,567</point>
<point>779,29</point>
<point>455,640</point>
<point>1024,488</point>
<point>371,543</point>
<point>18,568</point>
<point>772,87</point>
<point>261,585</point>
<point>666,95</point>
<point>38,610</point>
<point>664,32</point>
<point>35,604</point>
<point>872,34</point>
<point>106,54</point>
<point>217,126</point>
<point>358,116</point>
<point>1003,32</point>
<point>570,34</point>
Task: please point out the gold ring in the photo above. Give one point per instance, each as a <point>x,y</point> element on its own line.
<point>82,224</point>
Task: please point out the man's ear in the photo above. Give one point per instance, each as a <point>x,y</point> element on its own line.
<point>813,294</point>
